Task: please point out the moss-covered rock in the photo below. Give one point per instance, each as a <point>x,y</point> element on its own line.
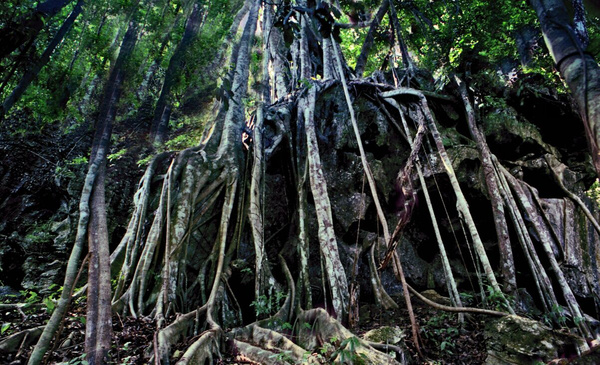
<point>386,334</point>
<point>519,340</point>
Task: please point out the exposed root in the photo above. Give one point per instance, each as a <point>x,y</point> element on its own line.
<point>455,309</point>
<point>268,340</point>
<point>21,340</point>
<point>202,349</point>
<point>316,327</point>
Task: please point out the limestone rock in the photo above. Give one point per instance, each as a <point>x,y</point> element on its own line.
<point>519,340</point>
<point>386,335</point>
<point>436,297</point>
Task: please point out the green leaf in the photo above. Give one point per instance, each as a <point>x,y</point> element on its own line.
<point>5,326</point>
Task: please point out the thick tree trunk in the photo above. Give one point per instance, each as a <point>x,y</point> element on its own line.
<point>98,319</point>
<point>579,20</point>
<point>14,35</point>
<point>580,71</point>
<point>160,123</point>
<point>32,73</point>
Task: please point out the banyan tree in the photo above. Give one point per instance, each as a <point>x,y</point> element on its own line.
<point>316,187</point>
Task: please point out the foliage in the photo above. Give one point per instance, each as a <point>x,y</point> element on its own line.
<point>265,306</point>
<point>4,328</point>
<point>283,357</point>
<point>69,168</point>
<point>79,360</point>
<point>347,352</point>
<point>594,192</point>
<point>557,316</point>
<point>442,335</point>
<point>40,233</point>
<point>497,300</point>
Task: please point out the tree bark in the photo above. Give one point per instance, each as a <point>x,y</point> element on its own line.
<point>335,272</point>
<point>579,69</point>
<point>32,73</point>
<point>99,314</point>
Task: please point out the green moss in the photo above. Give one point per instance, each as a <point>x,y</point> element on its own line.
<point>385,335</point>
<point>40,234</point>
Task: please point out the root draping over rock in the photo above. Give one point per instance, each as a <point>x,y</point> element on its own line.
<point>248,249</point>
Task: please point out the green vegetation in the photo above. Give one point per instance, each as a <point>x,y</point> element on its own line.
<point>130,79</point>
<point>265,306</point>
<point>442,335</point>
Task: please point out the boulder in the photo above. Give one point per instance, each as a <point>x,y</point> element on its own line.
<point>385,335</point>
<point>518,340</point>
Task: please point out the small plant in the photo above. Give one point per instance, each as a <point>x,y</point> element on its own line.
<point>557,316</point>
<point>594,192</point>
<point>144,161</point>
<point>31,297</point>
<point>467,298</point>
<point>4,328</point>
<point>262,305</point>
<point>347,352</point>
<point>497,300</point>
<point>79,360</point>
<point>116,155</point>
<point>266,306</point>
<point>283,356</point>
<point>69,166</point>
<point>442,334</point>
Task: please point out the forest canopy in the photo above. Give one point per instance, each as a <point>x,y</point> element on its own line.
<point>241,179</point>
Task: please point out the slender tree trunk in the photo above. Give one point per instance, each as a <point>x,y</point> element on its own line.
<point>32,73</point>
<point>407,61</point>
<point>160,123</point>
<point>14,35</point>
<point>99,315</point>
<point>361,62</point>
<point>141,91</point>
<point>580,71</point>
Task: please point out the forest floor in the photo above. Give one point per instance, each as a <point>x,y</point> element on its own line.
<point>443,339</point>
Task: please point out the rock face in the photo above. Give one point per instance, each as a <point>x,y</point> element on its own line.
<point>41,175</point>
<point>519,340</point>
